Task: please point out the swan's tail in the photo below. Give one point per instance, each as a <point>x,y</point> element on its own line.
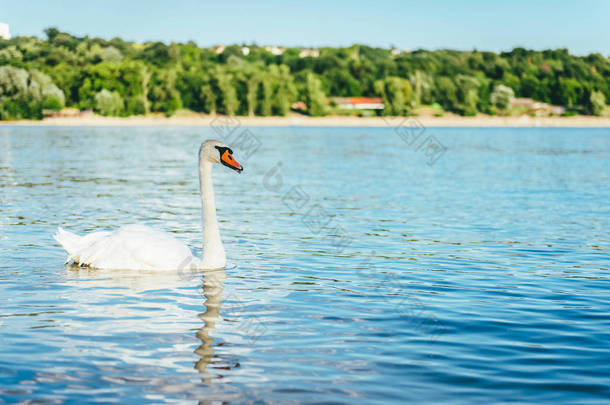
<point>68,240</point>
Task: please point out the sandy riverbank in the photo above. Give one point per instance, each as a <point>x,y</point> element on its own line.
<point>448,120</point>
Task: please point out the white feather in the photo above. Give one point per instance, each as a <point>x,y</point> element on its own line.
<point>134,247</point>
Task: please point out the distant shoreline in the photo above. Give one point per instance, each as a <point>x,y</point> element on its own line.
<point>448,120</point>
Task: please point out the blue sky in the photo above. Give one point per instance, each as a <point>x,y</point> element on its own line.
<point>581,26</point>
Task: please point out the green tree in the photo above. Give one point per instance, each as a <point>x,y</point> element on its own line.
<point>108,103</point>
<point>597,103</point>
<point>511,80</point>
<point>315,99</point>
<point>570,93</point>
<point>51,33</point>
<point>285,91</point>
<point>208,95</point>
<point>135,76</point>
<point>266,96</point>
<point>446,93</point>
<point>468,96</point>
<point>502,96</point>
<point>422,85</point>
<point>530,86</point>
<point>396,93</point>
<point>14,103</point>
<point>111,54</point>
<point>10,54</point>
<point>13,82</point>
<point>165,96</point>
<point>228,93</point>
<point>24,95</point>
<point>252,96</point>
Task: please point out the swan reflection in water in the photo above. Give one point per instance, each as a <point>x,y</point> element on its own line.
<point>140,292</point>
<point>213,284</point>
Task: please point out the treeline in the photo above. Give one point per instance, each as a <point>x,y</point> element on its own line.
<point>115,77</point>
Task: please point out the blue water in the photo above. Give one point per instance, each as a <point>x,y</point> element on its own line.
<point>365,266</point>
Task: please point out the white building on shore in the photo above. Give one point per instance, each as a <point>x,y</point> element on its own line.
<point>4,31</point>
<point>309,53</point>
<point>275,50</point>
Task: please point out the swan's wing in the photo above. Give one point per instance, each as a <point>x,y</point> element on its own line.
<point>160,250</point>
<point>134,247</point>
<point>75,244</point>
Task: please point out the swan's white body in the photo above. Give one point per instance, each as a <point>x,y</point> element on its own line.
<point>139,247</point>
<point>135,247</point>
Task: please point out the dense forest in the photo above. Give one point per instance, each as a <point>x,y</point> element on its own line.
<point>115,77</point>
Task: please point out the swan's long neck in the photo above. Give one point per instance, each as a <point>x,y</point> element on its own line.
<point>213,252</point>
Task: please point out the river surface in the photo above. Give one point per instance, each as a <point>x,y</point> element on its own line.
<point>366,265</point>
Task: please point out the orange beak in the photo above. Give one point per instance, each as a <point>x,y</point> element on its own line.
<point>227,160</point>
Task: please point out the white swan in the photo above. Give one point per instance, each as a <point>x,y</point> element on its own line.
<point>138,247</point>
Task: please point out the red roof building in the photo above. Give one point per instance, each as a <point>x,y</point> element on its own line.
<point>358,103</point>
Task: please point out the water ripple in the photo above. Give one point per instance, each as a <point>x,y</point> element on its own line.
<point>480,279</point>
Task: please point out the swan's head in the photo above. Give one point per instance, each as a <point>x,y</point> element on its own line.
<point>217,152</point>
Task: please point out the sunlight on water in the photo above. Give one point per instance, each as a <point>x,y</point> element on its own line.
<point>360,268</point>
